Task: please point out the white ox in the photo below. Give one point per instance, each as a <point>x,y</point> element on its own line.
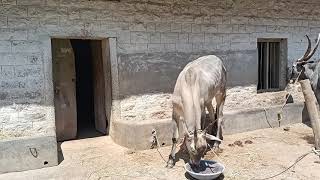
<point>199,82</point>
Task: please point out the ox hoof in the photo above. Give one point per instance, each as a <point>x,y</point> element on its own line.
<point>170,163</point>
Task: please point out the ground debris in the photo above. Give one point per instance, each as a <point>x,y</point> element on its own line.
<point>238,143</point>
<point>286,129</point>
<point>130,151</point>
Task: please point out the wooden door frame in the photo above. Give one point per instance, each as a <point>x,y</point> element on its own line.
<point>113,106</point>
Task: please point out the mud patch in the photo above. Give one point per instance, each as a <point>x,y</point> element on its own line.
<point>238,143</point>
<point>248,142</point>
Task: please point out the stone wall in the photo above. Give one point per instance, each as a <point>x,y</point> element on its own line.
<point>155,39</point>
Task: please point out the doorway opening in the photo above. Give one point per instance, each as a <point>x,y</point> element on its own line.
<point>84,87</point>
<point>79,76</point>
<point>272,65</point>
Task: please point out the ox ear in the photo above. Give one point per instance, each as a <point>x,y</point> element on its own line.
<point>302,63</point>
<point>310,62</point>
<point>212,138</point>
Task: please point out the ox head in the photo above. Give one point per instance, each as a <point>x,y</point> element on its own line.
<point>299,65</point>
<point>196,143</point>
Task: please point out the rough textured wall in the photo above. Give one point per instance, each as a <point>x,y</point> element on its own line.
<point>156,38</point>
<point>175,32</point>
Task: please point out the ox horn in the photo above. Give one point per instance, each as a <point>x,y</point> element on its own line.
<point>212,138</point>
<point>314,49</point>
<point>307,51</point>
<point>209,136</point>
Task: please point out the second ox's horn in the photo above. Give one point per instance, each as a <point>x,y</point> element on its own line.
<point>307,51</point>
<point>314,49</point>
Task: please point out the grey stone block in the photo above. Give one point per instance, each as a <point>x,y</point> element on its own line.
<point>169,37</point>
<point>5,46</point>
<point>184,47</point>
<point>28,71</point>
<point>7,72</point>
<point>88,14</point>
<point>225,28</point>
<point>155,37</point>
<point>13,34</point>
<point>163,27</point>
<point>196,38</point>
<point>151,27</point>
<point>8,10</point>
<point>104,14</point>
<point>137,26</point>
<point>140,37</point>
<point>3,21</point>
<point>175,27</point>
<point>23,22</point>
<point>186,28</point>
<point>30,2</point>
<point>22,154</point>
<point>114,26</point>
<point>209,28</point>
<point>183,38</point>
<point>213,38</point>
<point>155,47</point>
<point>242,38</point>
<point>124,37</point>
<point>9,2</point>
<point>47,11</point>
<point>239,20</point>
<point>26,46</point>
<point>196,28</point>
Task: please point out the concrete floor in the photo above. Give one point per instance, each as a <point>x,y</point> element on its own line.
<point>269,152</point>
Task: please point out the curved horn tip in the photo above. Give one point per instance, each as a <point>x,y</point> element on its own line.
<point>303,58</point>
<point>212,138</point>
<point>314,49</point>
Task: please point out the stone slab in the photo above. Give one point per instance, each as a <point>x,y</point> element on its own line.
<point>138,135</point>
<point>28,153</point>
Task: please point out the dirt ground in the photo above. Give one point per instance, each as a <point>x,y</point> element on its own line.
<point>250,155</point>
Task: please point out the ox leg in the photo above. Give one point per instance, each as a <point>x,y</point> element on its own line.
<point>211,112</point>
<point>175,138</point>
<point>203,117</point>
<point>211,116</point>
<point>220,98</point>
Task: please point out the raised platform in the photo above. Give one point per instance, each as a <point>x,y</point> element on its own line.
<point>138,135</point>
<point>27,153</point>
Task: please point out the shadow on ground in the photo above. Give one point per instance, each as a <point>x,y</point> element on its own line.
<point>309,139</point>
<point>60,153</point>
<point>88,132</point>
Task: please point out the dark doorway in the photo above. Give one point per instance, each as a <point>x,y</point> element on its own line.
<point>271,60</point>
<point>84,87</point>
<point>269,65</point>
<point>80,91</point>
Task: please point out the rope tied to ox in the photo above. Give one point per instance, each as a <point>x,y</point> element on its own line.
<point>285,102</point>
